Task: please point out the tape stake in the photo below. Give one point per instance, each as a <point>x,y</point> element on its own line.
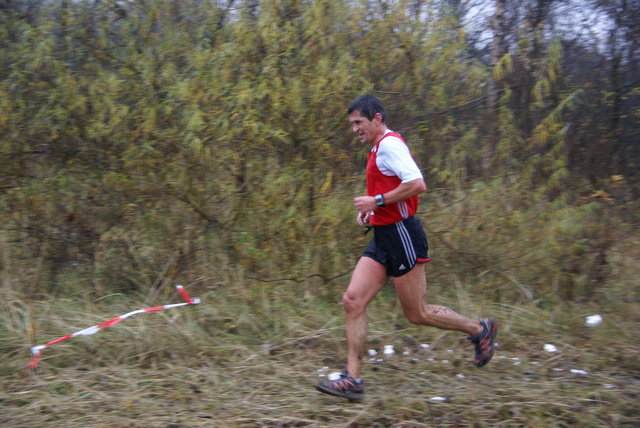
<point>37,350</point>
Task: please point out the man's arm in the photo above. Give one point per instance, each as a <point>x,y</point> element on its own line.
<point>404,191</point>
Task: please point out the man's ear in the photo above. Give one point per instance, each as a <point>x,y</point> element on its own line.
<point>377,118</point>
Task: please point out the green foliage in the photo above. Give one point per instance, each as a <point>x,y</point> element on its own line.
<point>148,143</point>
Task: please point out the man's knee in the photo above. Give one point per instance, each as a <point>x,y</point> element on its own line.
<point>352,304</point>
<point>419,317</point>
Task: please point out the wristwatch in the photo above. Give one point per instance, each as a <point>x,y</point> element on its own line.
<point>379,200</point>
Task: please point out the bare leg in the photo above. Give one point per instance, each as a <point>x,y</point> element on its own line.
<point>368,278</point>
<point>412,293</point>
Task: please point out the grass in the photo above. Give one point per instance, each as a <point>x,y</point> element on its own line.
<point>250,354</point>
<point>238,362</point>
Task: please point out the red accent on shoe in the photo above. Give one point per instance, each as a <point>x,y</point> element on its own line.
<point>485,347</point>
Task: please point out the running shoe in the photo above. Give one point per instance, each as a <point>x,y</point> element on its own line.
<point>484,341</point>
<point>345,386</point>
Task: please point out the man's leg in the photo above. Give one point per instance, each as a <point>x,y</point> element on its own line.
<point>412,293</point>
<point>368,278</point>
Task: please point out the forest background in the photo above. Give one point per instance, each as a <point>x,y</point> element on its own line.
<point>145,144</point>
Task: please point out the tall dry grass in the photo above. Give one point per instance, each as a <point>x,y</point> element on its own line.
<point>250,353</point>
<point>239,360</point>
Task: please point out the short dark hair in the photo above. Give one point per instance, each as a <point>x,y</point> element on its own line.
<point>368,106</point>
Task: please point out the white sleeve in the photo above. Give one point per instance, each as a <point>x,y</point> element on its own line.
<point>393,158</point>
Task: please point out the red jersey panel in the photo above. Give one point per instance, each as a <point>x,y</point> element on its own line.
<point>377,183</point>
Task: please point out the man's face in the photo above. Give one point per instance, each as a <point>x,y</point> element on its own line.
<point>365,129</point>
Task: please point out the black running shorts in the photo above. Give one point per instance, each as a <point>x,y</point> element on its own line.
<point>399,246</point>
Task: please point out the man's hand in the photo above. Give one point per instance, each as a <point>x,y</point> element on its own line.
<point>363,219</point>
<point>365,204</point>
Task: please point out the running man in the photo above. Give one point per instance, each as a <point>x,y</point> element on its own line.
<point>398,249</point>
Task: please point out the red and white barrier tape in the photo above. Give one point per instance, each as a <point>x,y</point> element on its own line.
<point>37,350</point>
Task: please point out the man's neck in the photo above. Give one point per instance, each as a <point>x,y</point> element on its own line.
<point>381,133</point>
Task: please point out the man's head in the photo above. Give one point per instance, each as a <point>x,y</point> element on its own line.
<point>368,106</point>
<point>366,115</point>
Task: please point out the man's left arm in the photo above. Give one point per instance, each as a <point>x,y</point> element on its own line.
<point>404,191</point>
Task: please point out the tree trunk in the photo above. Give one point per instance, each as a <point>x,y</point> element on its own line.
<point>497,51</point>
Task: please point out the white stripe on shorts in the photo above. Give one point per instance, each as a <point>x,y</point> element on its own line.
<point>406,243</point>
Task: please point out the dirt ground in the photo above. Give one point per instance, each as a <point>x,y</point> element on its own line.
<point>420,385</point>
